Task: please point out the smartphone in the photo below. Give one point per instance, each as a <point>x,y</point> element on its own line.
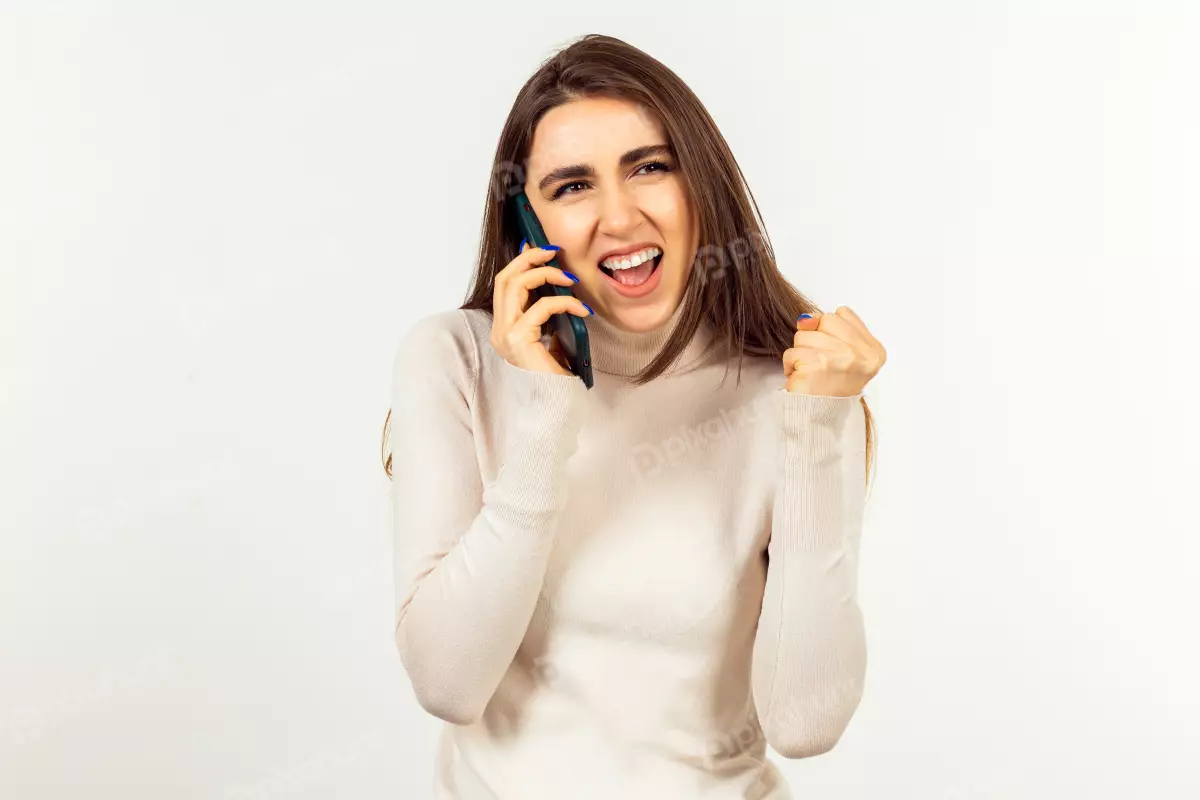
<point>571,331</point>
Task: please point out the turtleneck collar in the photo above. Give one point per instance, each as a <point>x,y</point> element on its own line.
<point>616,351</point>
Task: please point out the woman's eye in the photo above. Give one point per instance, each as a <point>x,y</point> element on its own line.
<point>563,189</point>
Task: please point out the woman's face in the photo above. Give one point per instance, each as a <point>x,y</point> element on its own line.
<point>596,194</point>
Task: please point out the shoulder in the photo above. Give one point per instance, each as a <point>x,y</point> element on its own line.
<point>440,345</point>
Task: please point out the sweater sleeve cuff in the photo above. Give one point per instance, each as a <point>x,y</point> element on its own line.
<point>545,414</point>
<point>818,467</point>
<point>531,395</point>
<point>802,413</point>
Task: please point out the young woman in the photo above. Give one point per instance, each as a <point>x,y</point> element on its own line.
<point>629,591</point>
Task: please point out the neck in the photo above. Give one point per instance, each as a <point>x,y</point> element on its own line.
<point>617,351</point>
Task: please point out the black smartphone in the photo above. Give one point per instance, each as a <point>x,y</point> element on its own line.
<point>571,331</point>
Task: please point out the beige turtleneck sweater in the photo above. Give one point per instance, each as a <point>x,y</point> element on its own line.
<point>623,592</point>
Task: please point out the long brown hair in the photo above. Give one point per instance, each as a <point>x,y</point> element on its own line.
<point>735,286</point>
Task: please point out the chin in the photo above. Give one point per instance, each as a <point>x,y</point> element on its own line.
<point>643,318</point>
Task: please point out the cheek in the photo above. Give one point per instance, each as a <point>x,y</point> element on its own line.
<point>570,231</point>
<point>667,206</point>
<point>685,269</point>
<point>672,215</point>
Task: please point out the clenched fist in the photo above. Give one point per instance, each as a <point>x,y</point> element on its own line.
<point>833,355</point>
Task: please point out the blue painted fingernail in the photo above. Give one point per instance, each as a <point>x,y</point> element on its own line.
<point>589,308</point>
<point>551,247</point>
<point>569,275</point>
<point>803,316</point>
<point>521,246</point>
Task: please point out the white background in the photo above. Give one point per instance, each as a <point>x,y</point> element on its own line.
<point>219,219</point>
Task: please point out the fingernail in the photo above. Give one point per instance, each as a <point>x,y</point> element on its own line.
<point>803,316</point>
<point>521,246</point>
<point>551,247</point>
<point>589,308</point>
<point>569,275</point>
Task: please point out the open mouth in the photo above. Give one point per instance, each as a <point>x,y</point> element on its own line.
<point>634,276</point>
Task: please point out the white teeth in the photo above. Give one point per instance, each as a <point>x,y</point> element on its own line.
<point>633,260</point>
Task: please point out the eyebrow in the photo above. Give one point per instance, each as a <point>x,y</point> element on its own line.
<point>585,170</point>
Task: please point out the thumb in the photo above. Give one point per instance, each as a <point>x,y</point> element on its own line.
<point>808,323</point>
<point>557,353</point>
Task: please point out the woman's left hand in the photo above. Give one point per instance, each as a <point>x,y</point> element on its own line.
<point>832,355</point>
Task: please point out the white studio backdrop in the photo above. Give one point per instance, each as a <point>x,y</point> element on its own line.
<point>219,219</point>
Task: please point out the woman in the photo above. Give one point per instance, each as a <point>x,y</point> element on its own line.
<point>628,591</point>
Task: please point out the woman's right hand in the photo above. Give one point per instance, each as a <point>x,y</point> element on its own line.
<point>517,330</point>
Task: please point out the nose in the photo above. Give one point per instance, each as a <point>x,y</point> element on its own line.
<point>619,214</point>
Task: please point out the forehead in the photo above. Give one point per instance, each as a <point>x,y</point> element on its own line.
<point>593,130</point>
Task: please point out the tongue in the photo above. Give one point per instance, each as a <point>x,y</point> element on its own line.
<point>634,275</point>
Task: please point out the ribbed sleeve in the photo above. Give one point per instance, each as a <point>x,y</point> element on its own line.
<point>470,559</point>
<point>809,658</point>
